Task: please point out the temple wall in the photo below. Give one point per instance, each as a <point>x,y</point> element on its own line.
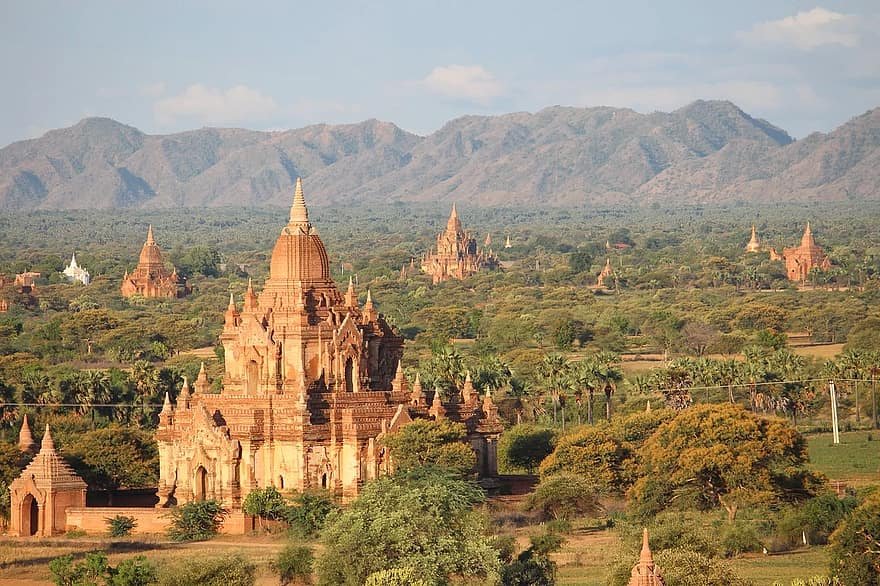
<point>93,520</point>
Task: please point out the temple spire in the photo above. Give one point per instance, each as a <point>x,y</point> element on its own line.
<point>26,441</point>
<point>807,239</point>
<point>646,557</point>
<point>47,446</point>
<point>453,224</point>
<point>399,383</point>
<point>299,214</point>
<point>351,299</point>
<point>150,239</point>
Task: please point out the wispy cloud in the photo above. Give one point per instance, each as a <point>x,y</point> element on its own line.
<point>466,82</point>
<point>806,30</point>
<point>215,106</point>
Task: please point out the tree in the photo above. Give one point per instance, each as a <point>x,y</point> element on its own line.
<point>525,446</point>
<point>580,261</point>
<point>230,570</point>
<point>424,521</point>
<point>553,370</point>
<point>564,496</point>
<point>855,545</point>
<point>113,457</point>
<point>196,521</point>
<point>294,565</point>
<point>431,443</point>
<point>264,503</point>
<point>721,455</point>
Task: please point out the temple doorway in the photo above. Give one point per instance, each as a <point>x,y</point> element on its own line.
<point>349,375</point>
<point>30,516</point>
<point>201,483</point>
<point>252,377</point>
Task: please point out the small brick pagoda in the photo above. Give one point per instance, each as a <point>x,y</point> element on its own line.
<point>800,260</point>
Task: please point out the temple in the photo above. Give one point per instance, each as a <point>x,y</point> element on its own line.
<point>457,255</point>
<point>44,491</point>
<point>151,278</point>
<point>754,244</point>
<point>800,260</point>
<point>312,382</point>
<point>73,272</point>
<point>646,572</point>
<point>606,276</point>
<point>26,282</point>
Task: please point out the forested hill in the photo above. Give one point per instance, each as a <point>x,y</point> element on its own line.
<point>706,151</point>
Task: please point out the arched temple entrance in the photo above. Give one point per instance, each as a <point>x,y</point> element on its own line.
<point>30,516</point>
<point>349,375</point>
<point>201,483</point>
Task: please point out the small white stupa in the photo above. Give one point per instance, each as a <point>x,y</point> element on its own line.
<point>74,272</point>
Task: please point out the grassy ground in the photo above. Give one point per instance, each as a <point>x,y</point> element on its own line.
<point>764,570</point>
<point>855,460</point>
<point>26,562</point>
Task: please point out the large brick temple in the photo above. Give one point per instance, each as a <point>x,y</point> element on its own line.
<point>312,381</point>
<point>457,255</point>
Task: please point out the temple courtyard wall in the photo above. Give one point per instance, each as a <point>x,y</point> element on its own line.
<point>93,520</point>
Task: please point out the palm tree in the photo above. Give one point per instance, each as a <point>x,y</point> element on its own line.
<point>583,378</point>
<point>553,371</point>
<point>853,365</point>
<point>608,374</point>
<point>92,388</point>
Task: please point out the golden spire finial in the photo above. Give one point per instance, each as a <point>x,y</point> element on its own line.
<point>299,214</point>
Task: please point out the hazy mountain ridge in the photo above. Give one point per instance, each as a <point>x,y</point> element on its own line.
<point>705,151</point>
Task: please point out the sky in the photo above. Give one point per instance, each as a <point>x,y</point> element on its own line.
<point>170,66</point>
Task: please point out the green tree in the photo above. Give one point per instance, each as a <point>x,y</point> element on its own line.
<point>424,521</point>
<point>264,503</point>
<point>431,443</point>
<point>196,521</point>
<point>294,564</point>
<point>525,446</point>
<point>855,545</point>
<point>564,496</point>
<point>114,457</point>
<point>721,455</point>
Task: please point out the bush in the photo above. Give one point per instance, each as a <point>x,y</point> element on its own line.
<point>564,496</point>
<point>396,577</point>
<point>682,567</point>
<point>524,447</point>
<point>264,503</point>
<point>308,511</point>
<point>196,521</point>
<point>738,538</point>
<point>294,565</point>
<point>92,570</point>
<point>817,517</point>
<point>855,557</point>
<point>120,525</point>
<point>135,571</point>
<point>233,570</point>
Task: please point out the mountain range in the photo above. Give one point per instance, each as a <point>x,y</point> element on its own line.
<point>707,151</point>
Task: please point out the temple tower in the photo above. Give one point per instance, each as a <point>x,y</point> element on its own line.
<point>800,260</point>
<point>42,493</point>
<point>646,573</point>
<point>151,278</point>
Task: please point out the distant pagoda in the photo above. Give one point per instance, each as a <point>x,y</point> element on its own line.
<point>457,255</point>
<point>754,244</point>
<point>151,278</point>
<point>74,272</point>
<point>800,260</point>
<point>602,281</point>
<point>646,572</point>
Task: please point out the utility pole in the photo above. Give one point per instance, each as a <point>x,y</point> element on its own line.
<point>834,427</point>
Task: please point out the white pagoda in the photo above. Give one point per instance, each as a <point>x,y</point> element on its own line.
<point>74,272</point>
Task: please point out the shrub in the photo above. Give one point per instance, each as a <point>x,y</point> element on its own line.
<point>817,517</point>
<point>308,511</point>
<point>196,521</point>
<point>524,446</point>
<point>739,538</point>
<point>396,577</point>
<point>683,567</point>
<point>135,571</point>
<point>233,570</point>
<point>855,557</point>
<point>294,564</point>
<point>92,570</point>
<point>264,503</point>
<point>120,525</point>
<point>564,496</point>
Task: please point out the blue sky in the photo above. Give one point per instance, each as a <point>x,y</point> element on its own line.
<point>170,66</point>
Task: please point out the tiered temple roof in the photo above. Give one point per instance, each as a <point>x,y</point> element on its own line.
<point>800,260</point>
<point>457,255</point>
<point>151,278</point>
